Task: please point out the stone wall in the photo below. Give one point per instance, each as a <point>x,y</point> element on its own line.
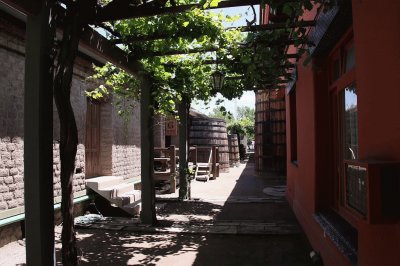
<point>106,139</point>
<point>126,145</point>
<point>11,173</point>
<point>119,140</point>
<point>11,120</point>
<point>159,131</point>
<point>12,65</point>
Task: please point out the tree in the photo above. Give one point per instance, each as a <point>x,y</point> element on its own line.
<point>246,119</point>
<point>245,112</point>
<point>221,112</point>
<point>76,14</point>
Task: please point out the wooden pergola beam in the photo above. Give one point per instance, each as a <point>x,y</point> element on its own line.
<point>276,26</point>
<point>124,10</point>
<point>177,52</point>
<point>98,47</point>
<point>214,62</point>
<point>265,81</point>
<point>183,33</point>
<point>193,51</point>
<point>28,7</point>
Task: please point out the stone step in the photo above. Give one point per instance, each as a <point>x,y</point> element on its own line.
<point>202,173</point>
<point>120,189</point>
<point>202,177</point>
<point>133,208</point>
<point>103,182</point>
<point>127,198</point>
<point>117,191</point>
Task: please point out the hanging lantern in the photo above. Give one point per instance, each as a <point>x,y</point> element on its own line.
<point>217,79</point>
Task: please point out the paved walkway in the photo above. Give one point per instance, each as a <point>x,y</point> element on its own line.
<point>238,219</point>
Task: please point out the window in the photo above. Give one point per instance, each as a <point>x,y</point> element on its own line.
<point>350,58</point>
<point>342,61</point>
<point>348,140</point>
<point>349,123</point>
<point>344,109</point>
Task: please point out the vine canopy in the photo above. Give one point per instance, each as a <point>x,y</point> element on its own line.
<point>181,50</point>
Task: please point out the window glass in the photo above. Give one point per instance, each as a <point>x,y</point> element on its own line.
<point>336,69</point>
<point>350,118</point>
<point>350,59</point>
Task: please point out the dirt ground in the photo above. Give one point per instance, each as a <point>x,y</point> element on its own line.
<point>238,219</point>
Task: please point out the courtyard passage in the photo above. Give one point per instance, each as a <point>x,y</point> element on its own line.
<point>240,218</point>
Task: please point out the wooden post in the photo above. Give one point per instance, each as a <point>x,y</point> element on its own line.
<point>38,141</point>
<point>214,161</point>
<point>217,160</point>
<point>148,213</point>
<point>184,183</point>
<point>195,156</point>
<point>172,160</point>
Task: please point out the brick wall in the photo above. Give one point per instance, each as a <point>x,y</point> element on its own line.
<point>12,64</point>
<point>159,131</point>
<point>119,140</point>
<point>11,173</point>
<point>126,145</point>
<point>11,121</point>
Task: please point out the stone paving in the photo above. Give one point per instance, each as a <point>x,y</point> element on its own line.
<point>238,219</point>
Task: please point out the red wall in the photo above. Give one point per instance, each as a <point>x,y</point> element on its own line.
<point>376,40</point>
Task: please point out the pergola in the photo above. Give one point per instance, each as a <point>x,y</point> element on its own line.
<point>38,126</point>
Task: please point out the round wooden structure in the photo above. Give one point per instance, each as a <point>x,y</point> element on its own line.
<point>208,132</point>
<point>270,137</point>
<point>233,146</point>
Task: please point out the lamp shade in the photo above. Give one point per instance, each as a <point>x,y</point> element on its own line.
<point>217,79</point>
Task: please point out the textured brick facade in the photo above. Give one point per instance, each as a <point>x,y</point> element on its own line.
<point>12,64</point>
<point>159,131</point>
<point>119,151</point>
<point>120,143</point>
<point>11,173</point>
<point>11,121</point>
<point>126,148</point>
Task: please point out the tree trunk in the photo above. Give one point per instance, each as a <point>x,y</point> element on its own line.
<point>184,182</point>
<point>72,28</point>
<point>148,213</point>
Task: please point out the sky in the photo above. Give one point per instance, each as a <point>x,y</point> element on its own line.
<point>248,97</point>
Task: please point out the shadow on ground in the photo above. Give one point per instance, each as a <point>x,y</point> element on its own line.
<point>101,247</point>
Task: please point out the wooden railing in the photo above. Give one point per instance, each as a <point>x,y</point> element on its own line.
<point>165,166</point>
<point>165,162</point>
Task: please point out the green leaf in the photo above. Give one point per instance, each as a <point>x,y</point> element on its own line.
<point>287,10</point>
<point>185,24</point>
<point>214,3</point>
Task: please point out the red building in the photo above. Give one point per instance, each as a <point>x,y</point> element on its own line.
<point>343,133</point>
